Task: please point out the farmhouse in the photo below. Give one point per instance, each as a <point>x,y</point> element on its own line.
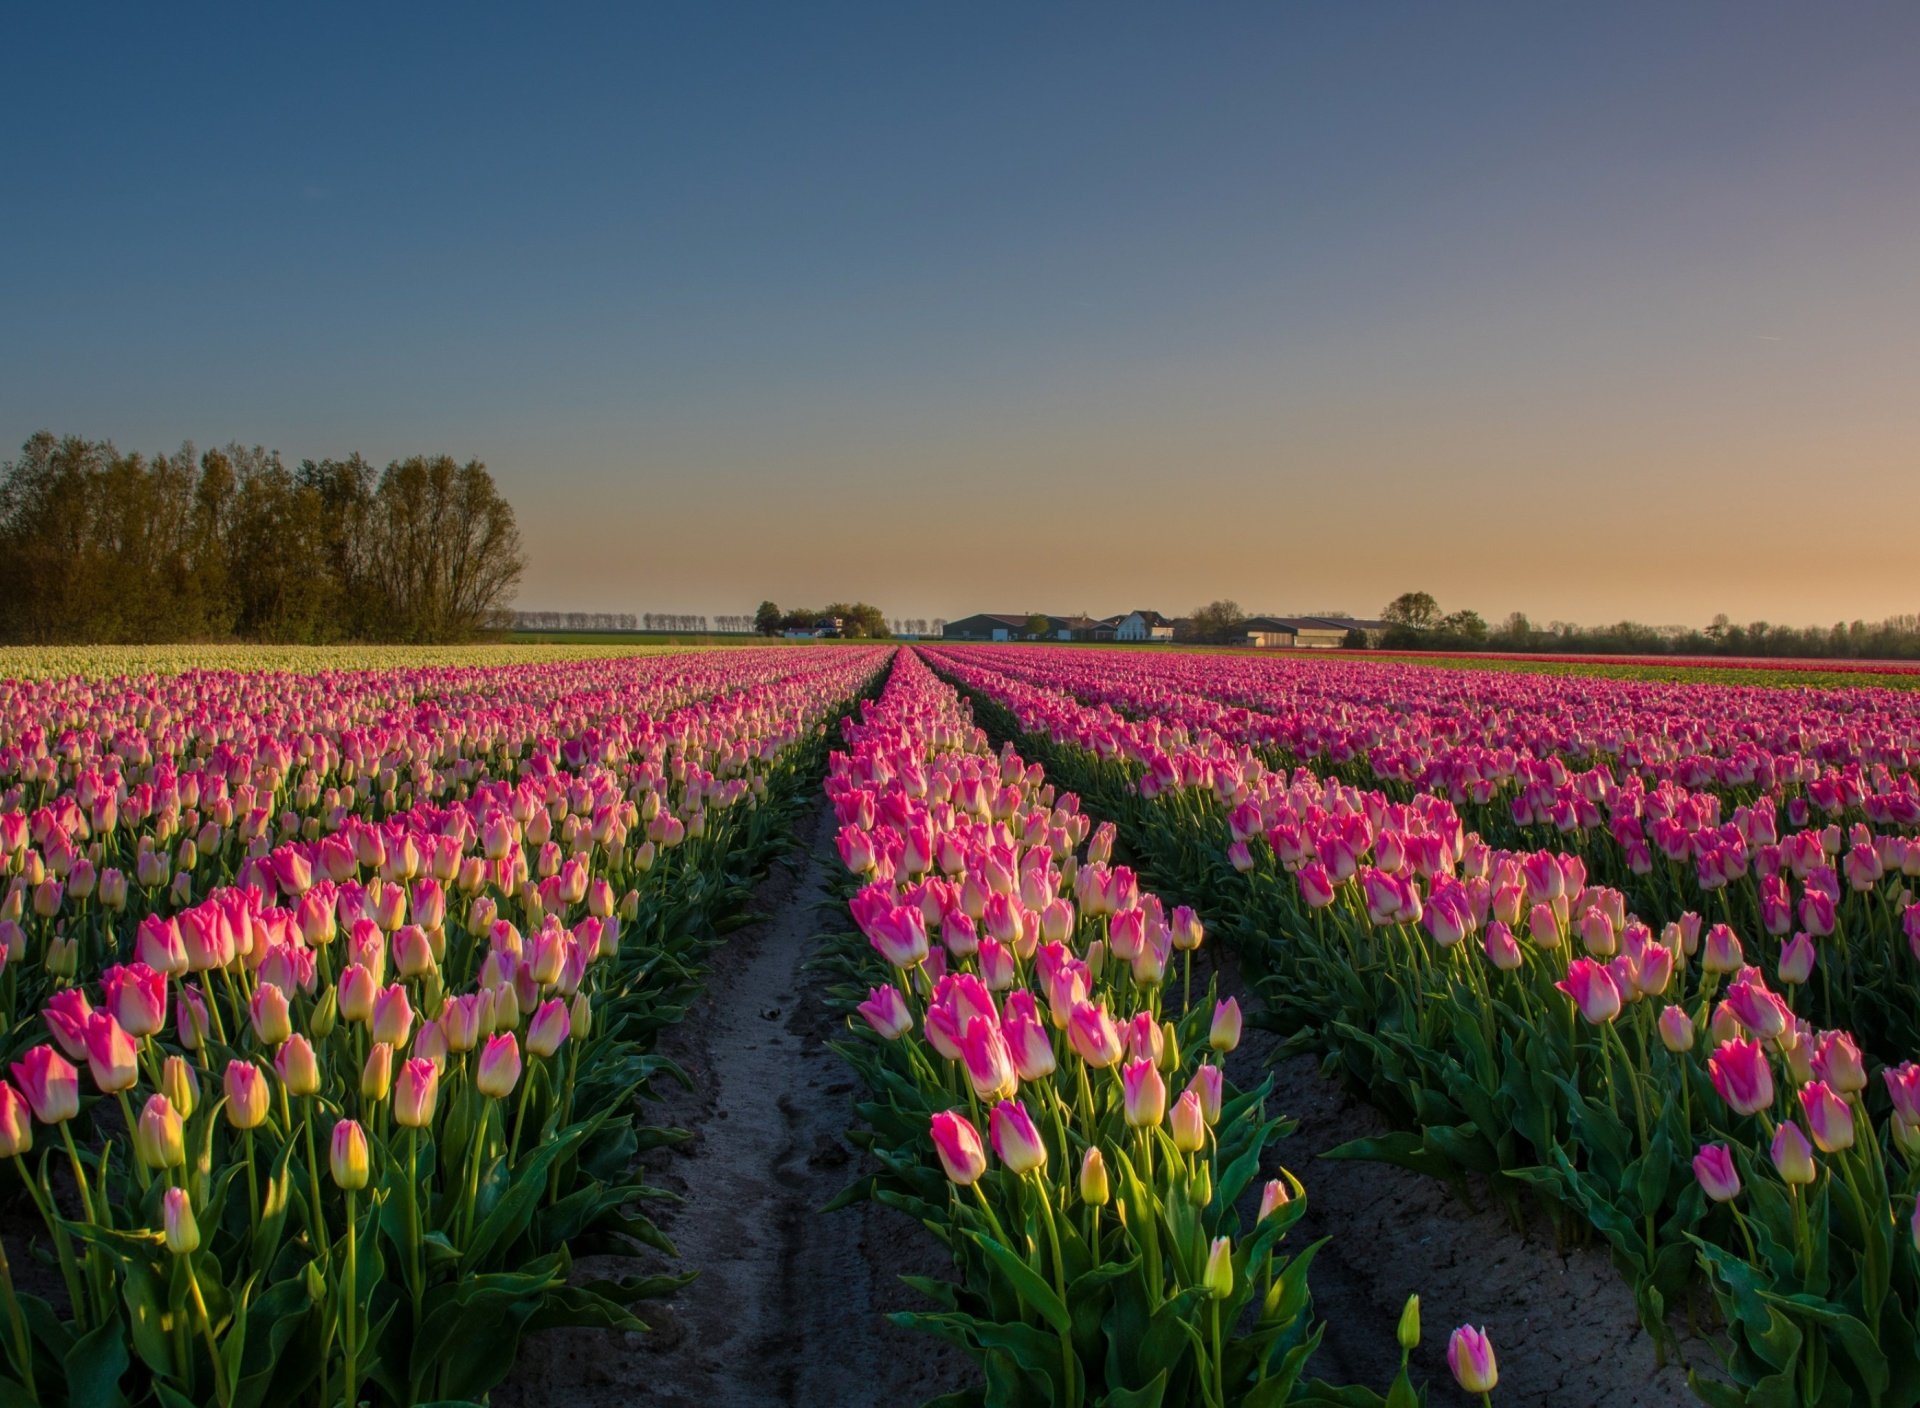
<point>1307,632</point>
<point>994,625</point>
<point>1136,626</point>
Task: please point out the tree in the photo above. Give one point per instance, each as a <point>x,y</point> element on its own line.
<point>1036,625</point>
<point>767,619</point>
<point>1464,626</point>
<point>1218,623</point>
<point>1414,610</point>
<point>859,621</point>
<point>96,545</point>
<point>1354,639</point>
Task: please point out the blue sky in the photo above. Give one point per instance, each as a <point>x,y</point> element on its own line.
<point>1575,310</point>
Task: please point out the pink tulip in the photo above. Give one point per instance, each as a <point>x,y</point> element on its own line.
<point>1797,959</point>
<point>1093,1036</point>
<point>1592,990</point>
<point>1723,954</point>
<point>1470,1356</point>
<point>1145,1095</point>
<point>547,1032</point>
<point>269,1015</point>
<point>886,1012</point>
<point>356,990</point>
<point>1741,1075</point>
<point>499,1068</point>
<point>16,1122</point>
<point>1015,1139</point>
<point>1792,1155</point>
<point>137,997</point>
<point>50,1083</point>
<point>111,1054</point>
<point>347,1156</point>
<point>1273,1197</point>
<point>1714,1167</point>
<point>298,1069</point>
<point>1225,1032</point>
<point>246,1091</point>
<point>1903,1088</point>
<point>67,1015</point>
<point>957,1143</point>
<point>1837,1061</point>
<point>1502,952</point>
<point>392,1016</point>
<point>1189,1124</point>
<point>1316,885</point>
<point>1208,1086</point>
<point>1829,1118</point>
<point>416,1091</point>
<point>1676,1028</point>
<point>989,1063</point>
<point>1031,1051</point>
<point>157,944</point>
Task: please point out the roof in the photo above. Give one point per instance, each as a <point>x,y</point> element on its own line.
<point>1311,623</point>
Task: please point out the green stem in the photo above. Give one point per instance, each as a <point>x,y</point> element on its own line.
<point>349,1308</point>
<point>1067,1360</point>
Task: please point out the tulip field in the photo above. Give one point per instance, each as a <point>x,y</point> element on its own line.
<point>1641,954</point>
<point>331,988</point>
<point>327,997</point>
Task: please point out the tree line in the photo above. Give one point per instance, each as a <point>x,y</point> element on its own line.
<point>1417,623</point>
<point>100,546</point>
<point>855,620</point>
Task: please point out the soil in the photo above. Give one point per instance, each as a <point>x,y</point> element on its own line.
<point>789,1306</point>
<point>1563,1325</point>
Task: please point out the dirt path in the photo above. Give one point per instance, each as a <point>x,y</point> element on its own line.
<point>790,1306</point>
<point>1563,1326</point>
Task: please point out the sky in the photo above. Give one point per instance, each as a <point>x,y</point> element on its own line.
<point>1595,312</point>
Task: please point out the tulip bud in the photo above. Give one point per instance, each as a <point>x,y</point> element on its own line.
<point>1470,1356</point>
<point>548,1030</point>
<point>499,1067</point>
<point>1676,1028</point>
<point>1273,1197</point>
<point>246,1092</point>
<point>415,1094</point>
<point>376,1076</point>
<point>158,1138</point>
<point>1225,1035</point>
<point>1093,1178</point>
<point>580,1016</point>
<point>348,1156</point>
<point>298,1069</point>
<point>1793,1155</point>
<point>1219,1273</point>
<point>180,1085</point>
<point>183,1233</point>
<point>1189,1126</point>
<point>271,1018</point>
<point>16,1122</point>
<point>1408,1332</point>
<point>326,1015</point>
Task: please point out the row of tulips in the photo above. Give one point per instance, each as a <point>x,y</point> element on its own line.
<point>325,1115</point>
<point>1519,1022</point>
<point>1010,990</point>
<point>1817,863</point>
<point>1398,722</point>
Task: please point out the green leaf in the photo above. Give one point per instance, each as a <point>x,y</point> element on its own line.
<point>1027,1281</point>
<point>1148,1395</point>
<point>94,1366</point>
